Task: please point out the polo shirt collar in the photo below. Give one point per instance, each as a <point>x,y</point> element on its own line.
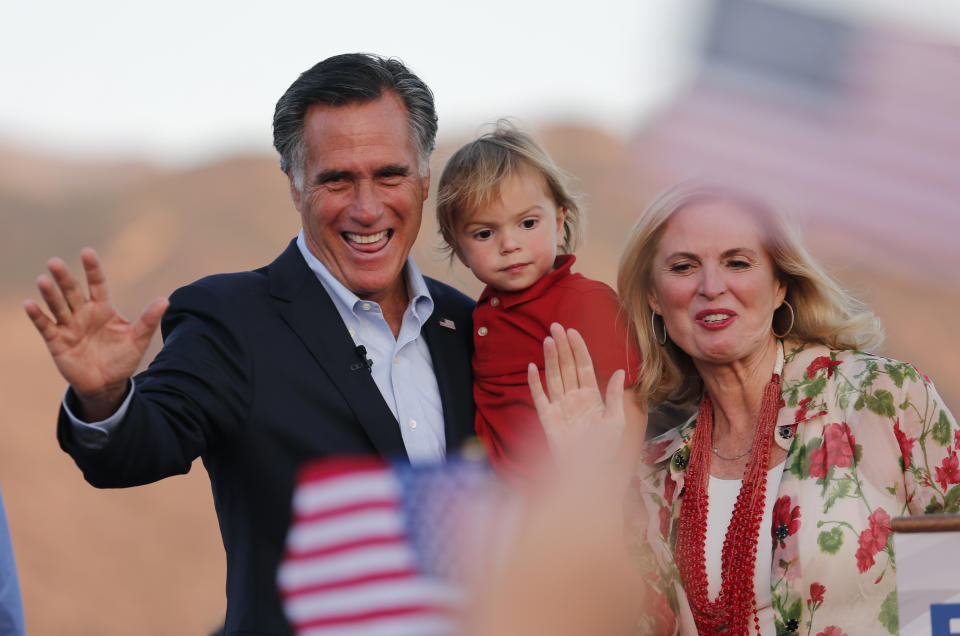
<point>561,269</point>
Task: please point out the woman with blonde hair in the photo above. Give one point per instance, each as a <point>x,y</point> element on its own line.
<point>770,511</point>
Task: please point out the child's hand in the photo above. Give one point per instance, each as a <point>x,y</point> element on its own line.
<point>578,424</point>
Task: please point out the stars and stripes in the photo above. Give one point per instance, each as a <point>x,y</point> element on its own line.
<point>371,548</point>
<point>848,126</point>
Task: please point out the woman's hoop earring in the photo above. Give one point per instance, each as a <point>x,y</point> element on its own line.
<point>653,326</point>
<point>792,318</point>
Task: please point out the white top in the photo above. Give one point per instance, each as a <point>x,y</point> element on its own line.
<point>722,496</point>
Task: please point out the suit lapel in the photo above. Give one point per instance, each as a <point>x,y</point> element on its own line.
<point>307,308</point>
<point>451,365</point>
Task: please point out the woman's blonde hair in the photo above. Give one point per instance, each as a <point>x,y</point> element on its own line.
<point>473,175</point>
<point>823,312</point>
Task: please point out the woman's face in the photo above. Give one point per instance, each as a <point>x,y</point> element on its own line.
<point>714,283</point>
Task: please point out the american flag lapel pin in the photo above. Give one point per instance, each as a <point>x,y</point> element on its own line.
<point>446,322</point>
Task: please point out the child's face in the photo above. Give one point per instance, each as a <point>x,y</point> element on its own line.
<point>511,243</point>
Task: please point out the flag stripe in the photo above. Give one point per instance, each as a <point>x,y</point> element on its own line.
<point>401,573</point>
<point>360,506</point>
<point>418,624</point>
<point>346,565</point>
<point>335,531</point>
<point>373,615</point>
<point>312,553</point>
<point>373,599</point>
<point>345,490</point>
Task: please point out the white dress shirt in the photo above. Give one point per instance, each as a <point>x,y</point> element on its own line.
<point>402,366</point>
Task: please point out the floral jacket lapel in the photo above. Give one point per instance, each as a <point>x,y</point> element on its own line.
<point>673,449</point>
<point>802,390</point>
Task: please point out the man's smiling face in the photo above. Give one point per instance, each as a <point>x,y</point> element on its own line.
<point>363,194</point>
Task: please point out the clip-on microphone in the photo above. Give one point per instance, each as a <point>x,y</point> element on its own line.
<point>365,362</point>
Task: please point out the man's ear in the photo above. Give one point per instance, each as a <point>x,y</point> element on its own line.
<point>425,184</point>
<point>295,194</point>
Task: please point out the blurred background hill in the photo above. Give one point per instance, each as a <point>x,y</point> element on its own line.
<point>845,125</point>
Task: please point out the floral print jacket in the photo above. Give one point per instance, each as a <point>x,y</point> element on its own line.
<point>868,439</point>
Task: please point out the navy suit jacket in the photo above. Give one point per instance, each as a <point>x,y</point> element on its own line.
<point>257,375</point>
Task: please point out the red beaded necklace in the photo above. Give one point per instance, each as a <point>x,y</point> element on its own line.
<point>729,614</point>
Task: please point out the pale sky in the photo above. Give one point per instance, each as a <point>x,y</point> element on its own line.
<point>189,80</point>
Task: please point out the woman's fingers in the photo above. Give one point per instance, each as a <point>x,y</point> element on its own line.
<point>540,400</point>
<point>571,406</point>
<point>573,359</point>
<point>568,367</point>
<point>551,369</point>
<point>567,362</point>
<point>614,396</point>
<point>581,359</point>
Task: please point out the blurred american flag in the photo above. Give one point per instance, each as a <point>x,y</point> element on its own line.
<point>850,125</point>
<point>378,548</point>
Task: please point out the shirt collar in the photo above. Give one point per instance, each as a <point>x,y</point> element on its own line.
<point>561,269</point>
<point>346,301</point>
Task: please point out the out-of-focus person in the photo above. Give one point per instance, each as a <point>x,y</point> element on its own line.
<point>769,512</point>
<point>11,605</point>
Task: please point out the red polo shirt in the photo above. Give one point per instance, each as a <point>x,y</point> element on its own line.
<point>508,333</point>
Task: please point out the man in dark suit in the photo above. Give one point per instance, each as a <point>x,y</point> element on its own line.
<point>338,346</point>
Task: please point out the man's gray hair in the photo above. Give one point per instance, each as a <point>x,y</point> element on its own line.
<point>347,79</point>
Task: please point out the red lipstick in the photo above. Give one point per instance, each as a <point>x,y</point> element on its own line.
<point>715,317</point>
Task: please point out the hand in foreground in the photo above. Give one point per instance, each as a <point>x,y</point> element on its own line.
<point>566,548</point>
<point>576,419</point>
<point>94,347</point>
